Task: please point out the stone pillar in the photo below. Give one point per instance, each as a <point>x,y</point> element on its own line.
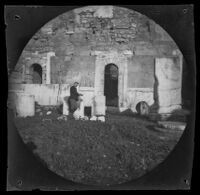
<point>126,55</point>
<point>48,67</point>
<point>23,72</point>
<point>82,108</point>
<point>99,105</point>
<point>65,105</point>
<point>168,72</point>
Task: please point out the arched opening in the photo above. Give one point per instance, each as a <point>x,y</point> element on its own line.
<point>36,70</point>
<point>111,85</point>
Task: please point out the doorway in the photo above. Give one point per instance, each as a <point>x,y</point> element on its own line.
<point>111,85</point>
<point>36,70</point>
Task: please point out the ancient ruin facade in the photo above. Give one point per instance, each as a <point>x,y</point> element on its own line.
<point>80,44</point>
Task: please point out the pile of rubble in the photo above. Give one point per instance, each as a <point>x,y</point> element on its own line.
<point>44,111</point>
<point>86,118</point>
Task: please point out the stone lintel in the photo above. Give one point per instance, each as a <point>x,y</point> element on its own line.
<point>111,53</point>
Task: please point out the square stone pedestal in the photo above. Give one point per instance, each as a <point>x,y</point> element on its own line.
<point>99,105</point>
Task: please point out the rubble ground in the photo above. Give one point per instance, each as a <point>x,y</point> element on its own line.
<point>97,153</point>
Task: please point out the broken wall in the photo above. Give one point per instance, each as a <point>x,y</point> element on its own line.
<point>74,35</point>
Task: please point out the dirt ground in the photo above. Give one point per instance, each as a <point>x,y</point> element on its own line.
<point>92,152</point>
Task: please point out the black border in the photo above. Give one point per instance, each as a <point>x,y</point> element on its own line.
<point>179,161</point>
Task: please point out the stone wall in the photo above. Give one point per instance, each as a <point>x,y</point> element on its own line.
<point>73,35</point>
<point>141,72</point>
<point>64,48</point>
<point>168,72</point>
<point>135,95</point>
<point>51,94</point>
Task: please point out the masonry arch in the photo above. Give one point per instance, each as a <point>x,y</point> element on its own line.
<point>111,74</point>
<point>36,73</point>
<point>121,60</point>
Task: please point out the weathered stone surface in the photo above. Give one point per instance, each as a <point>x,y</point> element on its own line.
<point>49,112</point>
<point>65,105</point>
<point>141,72</point>
<point>101,118</point>
<point>168,72</point>
<point>173,125</point>
<point>169,97</point>
<point>99,105</point>
<point>169,109</point>
<point>136,95</point>
<point>142,108</point>
<point>85,40</point>
<point>94,118</point>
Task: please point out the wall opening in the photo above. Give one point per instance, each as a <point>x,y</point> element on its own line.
<point>88,111</point>
<point>111,85</point>
<point>36,70</point>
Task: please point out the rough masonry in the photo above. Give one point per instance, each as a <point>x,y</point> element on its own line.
<point>77,45</point>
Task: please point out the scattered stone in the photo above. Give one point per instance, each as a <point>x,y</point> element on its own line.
<point>85,118</point>
<point>49,112</point>
<point>77,114</point>
<point>101,118</point>
<point>38,110</point>
<point>94,118</point>
<point>172,125</point>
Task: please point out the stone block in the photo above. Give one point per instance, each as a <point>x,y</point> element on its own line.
<point>172,125</point>
<point>94,118</point>
<point>65,105</point>
<point>99,105</point>
<point>78,114</point>
<point>169,97</point>
<point>136,95</point>
<point>169,77</point>
<point>101,118</point>
<point>168,109</point>
<point>168,73</point>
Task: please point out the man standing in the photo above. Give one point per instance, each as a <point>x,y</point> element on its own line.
<point>74,99</point>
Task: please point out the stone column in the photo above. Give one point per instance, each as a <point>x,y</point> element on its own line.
<point>99,105</point>
<point>23,72</point>
<point>124,66</point>
<point>48,67</point>
<point>168,72</point>
<point>65,105</point>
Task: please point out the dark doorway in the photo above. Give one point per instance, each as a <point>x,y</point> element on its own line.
<point>37,73</point>
<point>88,111</point>
<point>111,85</point>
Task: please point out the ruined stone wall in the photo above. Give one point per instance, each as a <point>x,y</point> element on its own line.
<point>73,35</point>
<point>141,72</point>
<point>49,94</point>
